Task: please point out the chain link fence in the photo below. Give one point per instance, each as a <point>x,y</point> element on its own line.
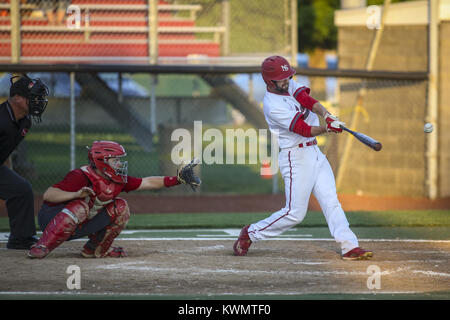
<point>141,31</point>
<point>143,112</point>
<point>117,107</point>
<point>392,112</point>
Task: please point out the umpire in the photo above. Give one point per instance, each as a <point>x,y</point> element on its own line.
<point>27,99</point>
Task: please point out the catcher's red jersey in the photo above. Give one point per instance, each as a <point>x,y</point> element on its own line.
<point>76,179</point>
<point>105,189</point>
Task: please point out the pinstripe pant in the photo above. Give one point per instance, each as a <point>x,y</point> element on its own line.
<point>306,170</point>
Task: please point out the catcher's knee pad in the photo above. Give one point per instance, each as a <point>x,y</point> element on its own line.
<point>119,212</point>
<point>77,210</point>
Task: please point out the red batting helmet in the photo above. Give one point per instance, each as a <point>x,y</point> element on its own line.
<point>98,156</point>
<point>276,68</point>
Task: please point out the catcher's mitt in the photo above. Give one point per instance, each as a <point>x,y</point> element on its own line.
<point>186,174</point>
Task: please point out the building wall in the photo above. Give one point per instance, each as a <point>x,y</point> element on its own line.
<point>393,112</point>
<point>402,48</point>
<point>444,110</point>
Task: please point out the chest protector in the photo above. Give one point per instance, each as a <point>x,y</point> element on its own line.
<point>105,191</point>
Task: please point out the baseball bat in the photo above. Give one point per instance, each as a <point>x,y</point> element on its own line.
<point>368,141</point>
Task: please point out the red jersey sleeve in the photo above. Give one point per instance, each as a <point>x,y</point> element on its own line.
<point>303,97</point>
<point>299,126</point>
<point>132,184</point>
<point>73,181</point>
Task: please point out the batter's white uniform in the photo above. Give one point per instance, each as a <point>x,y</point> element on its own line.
<point>304,169</point>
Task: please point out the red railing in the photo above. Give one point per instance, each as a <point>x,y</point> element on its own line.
<point>111,29</point>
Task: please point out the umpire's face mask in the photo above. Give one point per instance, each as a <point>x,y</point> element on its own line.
<point>35,91</point>
<point>37,101</point>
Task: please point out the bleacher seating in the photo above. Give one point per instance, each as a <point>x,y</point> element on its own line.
<point>116,30</point>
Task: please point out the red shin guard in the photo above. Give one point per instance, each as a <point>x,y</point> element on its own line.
<point>59,229</point>
<point>120,214</point>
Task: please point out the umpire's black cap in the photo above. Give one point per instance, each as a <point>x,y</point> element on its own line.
<point>21,85</point>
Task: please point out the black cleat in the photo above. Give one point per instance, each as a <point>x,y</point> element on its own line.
<point>22,243</point>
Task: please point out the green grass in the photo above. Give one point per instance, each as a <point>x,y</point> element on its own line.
<point>313,219</point>
<point>402,219</point>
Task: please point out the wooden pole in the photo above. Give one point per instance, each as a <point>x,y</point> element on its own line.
<point>294,33</point>
<point>153,31</point>
<point>15,31</point>
<point>226,24</point>
<point>433,103</point>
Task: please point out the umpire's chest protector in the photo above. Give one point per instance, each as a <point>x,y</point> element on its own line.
<point>105,191</point>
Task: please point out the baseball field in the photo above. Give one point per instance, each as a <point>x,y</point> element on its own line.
<point>190,256</point>
<point>171,80</point>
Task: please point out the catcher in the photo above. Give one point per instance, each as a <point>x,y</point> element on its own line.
<point>86,202</point>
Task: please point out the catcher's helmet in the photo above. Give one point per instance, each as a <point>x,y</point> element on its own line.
<point>276,68</point>
<point>34,90</point>
<point>98,156</point>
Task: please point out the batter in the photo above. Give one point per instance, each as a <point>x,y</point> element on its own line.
<point>292,114</point>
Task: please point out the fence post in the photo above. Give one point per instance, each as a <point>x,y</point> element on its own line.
<point>153,82</point>
<point>251,90</point>
<point>15,31</point>
<point>294,33</point>
<point>432,108</point>
<point>72,121</point>
<point>119,87</point>
<point>226,25</point>
<point>153,31</point>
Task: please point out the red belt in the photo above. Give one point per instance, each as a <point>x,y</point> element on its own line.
<point>307,144</point>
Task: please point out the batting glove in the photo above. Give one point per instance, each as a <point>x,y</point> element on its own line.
<point>333,123</point>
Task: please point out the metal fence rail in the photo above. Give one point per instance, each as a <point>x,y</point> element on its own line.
<point>208,69</point>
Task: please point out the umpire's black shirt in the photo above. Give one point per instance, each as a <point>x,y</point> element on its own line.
<point>12,131</point>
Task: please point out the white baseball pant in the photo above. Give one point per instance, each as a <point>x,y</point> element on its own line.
<point>306,170</point>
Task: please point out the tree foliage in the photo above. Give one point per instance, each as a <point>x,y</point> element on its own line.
<point>316,27</point>
<point>316,24</point>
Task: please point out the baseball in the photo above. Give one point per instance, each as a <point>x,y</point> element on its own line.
<point>428,127</point>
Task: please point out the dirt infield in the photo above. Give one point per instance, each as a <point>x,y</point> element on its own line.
<point>208,268</point>
<point>259,203</point>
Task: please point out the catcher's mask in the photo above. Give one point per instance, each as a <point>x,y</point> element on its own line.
<point>276,68</point>
<point>34,90</point>
<point>106,157</point>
